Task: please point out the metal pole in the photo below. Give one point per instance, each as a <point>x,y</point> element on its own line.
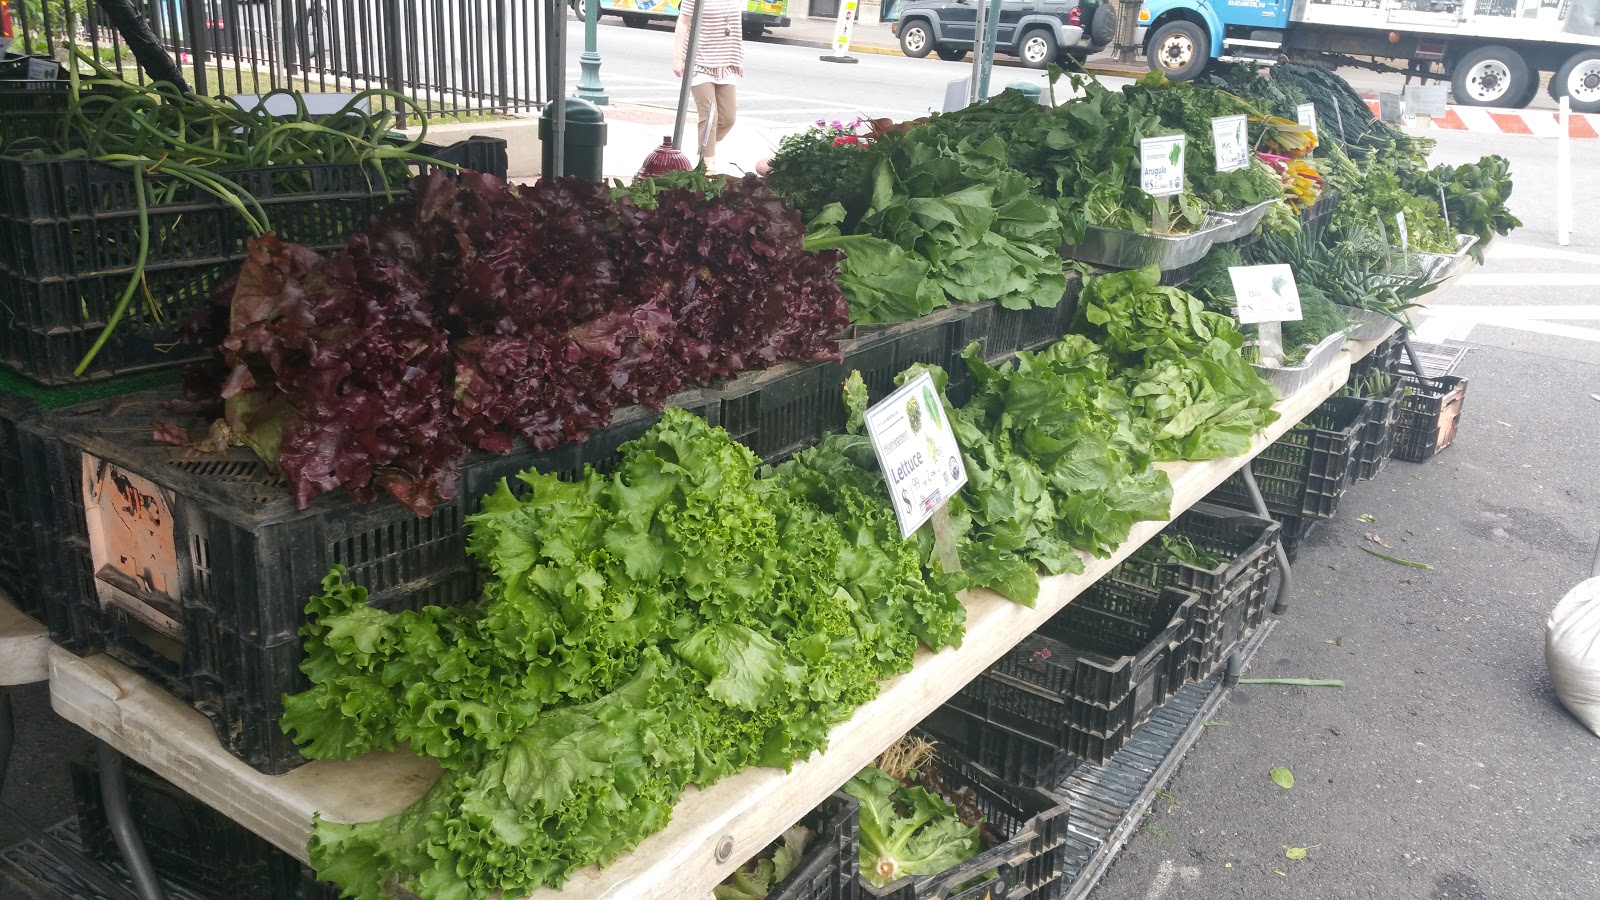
<point>1416,361</point>
<point>1564,174</point>
<point>558,86</point>
<point>1285,576</point>
<point>977,57</point>
<point>990,35</point>
<point>114,790</point>
<point>1596,572</point>
<point>589,86</point>
<point>688,73</point>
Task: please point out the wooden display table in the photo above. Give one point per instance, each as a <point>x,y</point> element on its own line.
<point>713,831</point>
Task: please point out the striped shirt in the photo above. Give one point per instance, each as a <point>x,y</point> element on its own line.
<point>719,52</point>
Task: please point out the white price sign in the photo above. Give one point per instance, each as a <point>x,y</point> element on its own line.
<point>1161,165</point>
<point>1306,114</point>
<point>1231,136</point>
<point>921,460</point>
<point>1265,293</point>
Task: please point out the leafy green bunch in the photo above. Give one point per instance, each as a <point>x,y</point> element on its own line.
<point>1375,189</point>
<point>672,623</point>
<point>1055,465</point>
<point>1085,154</point>
<point>1184,107</point>
<point>1475,195</point>
<point>826,163</point>
<point>1179,364</point>
<point>907,830</point>
<point>947,217</point>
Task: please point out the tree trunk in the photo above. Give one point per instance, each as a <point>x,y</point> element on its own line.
<point>146,47</point>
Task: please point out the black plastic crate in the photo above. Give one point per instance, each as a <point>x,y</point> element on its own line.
<point>1387,358</point>
<point>16,568</point>
<point>204,589</point>
<point>69,238</point>
<point>1231,598</point>
<point>1079,687</point>
<point>1430,413</point>
<point>1029,862</point>
<point>1296,529</point>
<point>189,843</point>
<point>1377,439</point>
<point>935,340</point>
<point>1034,328</point>
<point>785,409</point>
<point>1307,470</point>
<point>828,871</point>
<point>21,401</point>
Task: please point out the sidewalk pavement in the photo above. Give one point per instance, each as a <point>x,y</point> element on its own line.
<point>635,130</point>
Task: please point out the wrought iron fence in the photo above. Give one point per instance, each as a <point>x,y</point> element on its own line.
<point>450,57</point>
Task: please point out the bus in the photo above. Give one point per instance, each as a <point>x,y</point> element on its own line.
<point>759,15</point>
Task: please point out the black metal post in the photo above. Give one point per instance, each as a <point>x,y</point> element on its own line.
<point>395,53</point>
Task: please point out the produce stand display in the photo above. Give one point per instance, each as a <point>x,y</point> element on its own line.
<point>395,418</point>
<point>749,809</point>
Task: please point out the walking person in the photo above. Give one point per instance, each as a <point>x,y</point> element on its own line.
<point>716,69</point>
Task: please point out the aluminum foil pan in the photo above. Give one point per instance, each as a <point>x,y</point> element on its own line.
<point>1442,265</point>
<point>1241,222</point>
<point>1290,379</point>
<point>1118,249</point>
<point>1368,325</point>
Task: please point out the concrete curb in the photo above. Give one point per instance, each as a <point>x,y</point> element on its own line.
<point>828,45</point>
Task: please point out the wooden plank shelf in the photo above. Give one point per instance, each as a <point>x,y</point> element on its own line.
<point>713,831</point>
<point>24,646</point>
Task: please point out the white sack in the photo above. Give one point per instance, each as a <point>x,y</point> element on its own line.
<point>1572,652</point>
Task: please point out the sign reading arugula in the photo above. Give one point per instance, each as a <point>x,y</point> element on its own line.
<point>1161,165</point>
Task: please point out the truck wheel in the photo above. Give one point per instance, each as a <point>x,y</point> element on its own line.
<point>1489,76</point>
<point>636,21</point>
<point>1579,80</point>
<point>916,41</point>
<point>1037,48</point>
<point>1528,93</point>
<point>754,30</point>
<point>951,54</point>
<point>1181,49</point>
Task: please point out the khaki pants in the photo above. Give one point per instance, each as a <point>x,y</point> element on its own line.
<point>715,105</point>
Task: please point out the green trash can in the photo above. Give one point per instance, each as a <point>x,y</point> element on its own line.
<point>585,143</point>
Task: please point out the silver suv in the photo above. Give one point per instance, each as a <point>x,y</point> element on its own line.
<point>1039,32</point>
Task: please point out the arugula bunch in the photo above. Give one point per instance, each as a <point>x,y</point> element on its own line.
<point>672,623</point>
